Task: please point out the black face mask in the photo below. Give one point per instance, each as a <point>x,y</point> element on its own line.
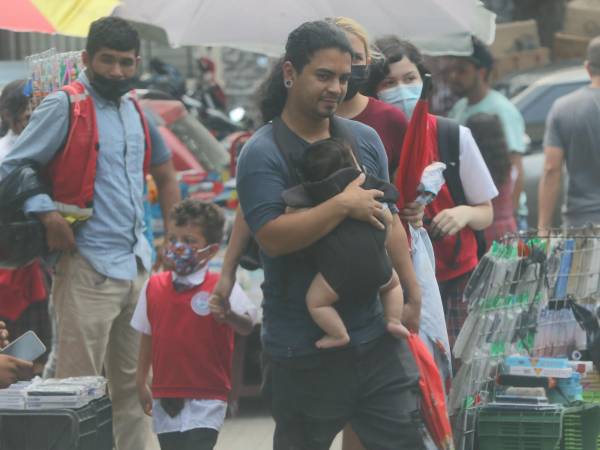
<point>111,89</point>
<point>359,77</point>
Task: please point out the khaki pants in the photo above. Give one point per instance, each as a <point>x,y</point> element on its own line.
<point>93,334</point>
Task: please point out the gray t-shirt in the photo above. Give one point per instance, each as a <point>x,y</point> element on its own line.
<point>573,125</point>
<point>287,329</point>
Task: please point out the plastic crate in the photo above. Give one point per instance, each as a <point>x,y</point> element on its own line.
<point>581,426</point>
<point>518,429</point>
<point>86,428</point>
<point>591,396</point>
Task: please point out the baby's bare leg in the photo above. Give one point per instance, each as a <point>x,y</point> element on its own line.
<point>320,299</point>
<point>393,303</point>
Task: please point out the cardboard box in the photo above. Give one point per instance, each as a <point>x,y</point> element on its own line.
<point>523,60</point>
<point>569,46</point>
<point>515,37</point>
<point>583,18</point>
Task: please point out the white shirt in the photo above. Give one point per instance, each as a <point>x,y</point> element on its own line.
<point>7,142</point>
<point>475,176</point>
<point>195,413</point>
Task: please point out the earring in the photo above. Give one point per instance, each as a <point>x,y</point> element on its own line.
<point>288,83</point>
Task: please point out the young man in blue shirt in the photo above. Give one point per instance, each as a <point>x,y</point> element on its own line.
<point>104,263</point>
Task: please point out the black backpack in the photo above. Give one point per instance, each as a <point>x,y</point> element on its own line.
<point>292,152</point>
<point>448,138</point>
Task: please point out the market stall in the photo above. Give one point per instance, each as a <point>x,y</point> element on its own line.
<point>530,346</point>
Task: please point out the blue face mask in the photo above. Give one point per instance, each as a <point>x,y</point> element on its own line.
<point>403,97</point>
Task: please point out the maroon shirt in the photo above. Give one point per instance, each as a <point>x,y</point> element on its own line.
<point>390,124</point>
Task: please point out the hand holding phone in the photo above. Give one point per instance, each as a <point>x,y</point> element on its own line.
<point>13,369</point>
<point>27,347</point>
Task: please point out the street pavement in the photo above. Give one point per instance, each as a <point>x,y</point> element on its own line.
<point>252,429</point>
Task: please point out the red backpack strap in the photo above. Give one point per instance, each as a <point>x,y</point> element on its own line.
<point>148,140</point>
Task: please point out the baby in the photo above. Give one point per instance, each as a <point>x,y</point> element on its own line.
<point>352,260</point>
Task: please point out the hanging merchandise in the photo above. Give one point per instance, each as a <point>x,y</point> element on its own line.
<point>533,324</point>
<point>49,71</point>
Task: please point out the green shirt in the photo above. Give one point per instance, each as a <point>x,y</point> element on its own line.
<point>495,103</point>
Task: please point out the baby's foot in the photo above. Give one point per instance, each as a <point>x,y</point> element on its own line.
<point>328,341</point>
<point>397,329</point>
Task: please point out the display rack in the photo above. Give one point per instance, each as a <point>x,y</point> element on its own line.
<point>521,299</point>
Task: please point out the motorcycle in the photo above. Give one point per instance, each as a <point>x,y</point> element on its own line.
<point>165,82</point>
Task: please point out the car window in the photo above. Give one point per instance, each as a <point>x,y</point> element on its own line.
<point>537,109</point>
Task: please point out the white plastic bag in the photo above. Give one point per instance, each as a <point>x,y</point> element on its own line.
<point>432,181</point>
<point>432,329</point>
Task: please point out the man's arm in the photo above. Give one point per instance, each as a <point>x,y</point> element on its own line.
<point>517,162</point>
<point>40,140</point>
<point>168,188</point>
<point>289,233</point>
<point>549,186</point>
<point>399,252</point>
<point>238,241</point>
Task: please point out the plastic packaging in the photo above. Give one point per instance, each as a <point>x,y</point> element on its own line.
<point>432,181</point>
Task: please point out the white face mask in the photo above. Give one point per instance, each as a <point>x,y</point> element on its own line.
<point>403,97</point>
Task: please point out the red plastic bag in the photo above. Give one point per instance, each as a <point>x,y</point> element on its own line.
<point>433,405</point>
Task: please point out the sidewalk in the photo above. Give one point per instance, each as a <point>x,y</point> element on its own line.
<point>252,429</point>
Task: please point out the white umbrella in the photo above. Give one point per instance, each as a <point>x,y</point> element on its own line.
<point>436,26</point>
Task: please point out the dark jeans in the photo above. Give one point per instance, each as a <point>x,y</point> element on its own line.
<point>374,387</point>
<point>196,439</point>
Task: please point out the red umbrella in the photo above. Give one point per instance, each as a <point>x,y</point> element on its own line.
<point>418,149</point>
<point>22,15</point>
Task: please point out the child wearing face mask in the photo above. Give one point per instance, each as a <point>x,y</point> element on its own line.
<point>187,334</point>
<point>352,261</point>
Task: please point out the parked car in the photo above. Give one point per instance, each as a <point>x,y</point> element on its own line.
<point>534,93</point>
<point>535,101</point>
<point>206,149</point>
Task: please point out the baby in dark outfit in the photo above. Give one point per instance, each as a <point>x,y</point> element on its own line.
<point>352,260</point>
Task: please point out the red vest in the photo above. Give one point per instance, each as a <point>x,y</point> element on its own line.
<point>191,352</point>
<point>72,172</point>
<point>454,255</point>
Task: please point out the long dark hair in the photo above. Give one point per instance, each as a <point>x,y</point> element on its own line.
<point>393,50</point>
<point>489,135</point>
<point>13,103</point>
<point>301,45</point>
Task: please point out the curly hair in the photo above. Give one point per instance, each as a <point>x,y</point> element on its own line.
<point>207,216</point>
<point>302,44</point>
<point>113,33</point>
<point>13,103</point>
<point>393,50</point>
<point>489,135</point>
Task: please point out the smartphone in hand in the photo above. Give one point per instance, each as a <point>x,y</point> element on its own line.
<point>27,347</point>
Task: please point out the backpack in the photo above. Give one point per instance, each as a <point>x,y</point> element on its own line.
<point>292,151</point>
<point>448,138</point>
